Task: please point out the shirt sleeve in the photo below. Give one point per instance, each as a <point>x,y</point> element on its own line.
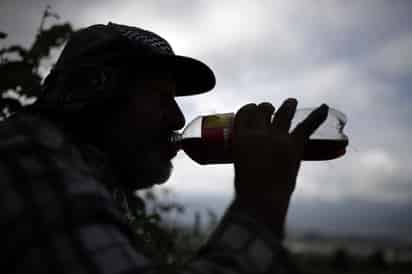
<point>240,245</point>
<point>58,218</point>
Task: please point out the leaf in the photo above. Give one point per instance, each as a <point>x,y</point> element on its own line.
<point>12,105</point>
<point>154,218</point>
<point>48,39</point>
<point>14,49</point>
<point>150,195</point>
<point>19,74</point>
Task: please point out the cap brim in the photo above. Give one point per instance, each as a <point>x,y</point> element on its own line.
<point>192,76</point>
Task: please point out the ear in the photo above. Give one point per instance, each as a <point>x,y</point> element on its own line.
<point>71,89</point>
<point>86,84</point>
<point>87,79</point>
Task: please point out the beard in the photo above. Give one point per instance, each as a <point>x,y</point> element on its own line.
<point>151,167</point>
<point>142,163</point>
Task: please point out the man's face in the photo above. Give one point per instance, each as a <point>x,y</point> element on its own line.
<point>136,136</point>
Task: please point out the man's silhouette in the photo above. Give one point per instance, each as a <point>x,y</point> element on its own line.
<point>103,121</point>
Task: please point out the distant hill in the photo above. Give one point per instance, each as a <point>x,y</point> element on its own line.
<point>347,218</point>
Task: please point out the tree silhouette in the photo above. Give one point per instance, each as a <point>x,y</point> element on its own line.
<point>19,67</point>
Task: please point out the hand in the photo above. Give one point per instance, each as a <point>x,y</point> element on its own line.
<point>267,158</point>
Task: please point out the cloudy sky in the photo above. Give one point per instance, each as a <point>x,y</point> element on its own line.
<point>355,56</point>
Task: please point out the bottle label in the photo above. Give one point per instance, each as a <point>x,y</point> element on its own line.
<point>218,128</point>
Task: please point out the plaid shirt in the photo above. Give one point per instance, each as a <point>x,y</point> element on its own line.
<point>58,217</point>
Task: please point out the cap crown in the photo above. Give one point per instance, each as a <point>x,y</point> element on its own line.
<point>143,38</point>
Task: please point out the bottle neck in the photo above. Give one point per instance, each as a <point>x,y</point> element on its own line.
<point>176,139</point>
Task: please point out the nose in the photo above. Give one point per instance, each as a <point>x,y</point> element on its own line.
<point>176,117</point>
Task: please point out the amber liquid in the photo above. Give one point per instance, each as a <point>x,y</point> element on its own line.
<point>205,153</point>
<point>324,149</point>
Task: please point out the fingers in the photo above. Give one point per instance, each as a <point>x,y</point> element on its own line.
<point>245,117</point>
<point>253,116</point>
<point>266,110</point>
<point>283,117</point>
<point>306,128</point>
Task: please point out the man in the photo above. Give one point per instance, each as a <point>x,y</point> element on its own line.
<point>103,122</point>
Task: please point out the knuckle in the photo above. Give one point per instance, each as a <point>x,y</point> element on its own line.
<point>266,108</point>
<point>245,110</point>
<point>291,100</point>
<point>265,105</point>
<point>248,107</point>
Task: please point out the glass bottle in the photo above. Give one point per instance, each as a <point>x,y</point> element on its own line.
<point>207,139</point>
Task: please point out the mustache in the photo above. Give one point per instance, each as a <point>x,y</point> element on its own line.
<point>163,137</point>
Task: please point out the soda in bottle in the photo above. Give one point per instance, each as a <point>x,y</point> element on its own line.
<point>207,139</point>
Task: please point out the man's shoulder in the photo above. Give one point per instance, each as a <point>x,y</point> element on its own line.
<point>29,131</point>
<point>34,147</point>
<point>34,151</point>
<point>31,146</point>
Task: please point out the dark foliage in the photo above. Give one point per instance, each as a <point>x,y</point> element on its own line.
<point>19,67</point>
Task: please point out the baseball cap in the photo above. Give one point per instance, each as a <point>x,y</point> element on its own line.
<point>192,76</point>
